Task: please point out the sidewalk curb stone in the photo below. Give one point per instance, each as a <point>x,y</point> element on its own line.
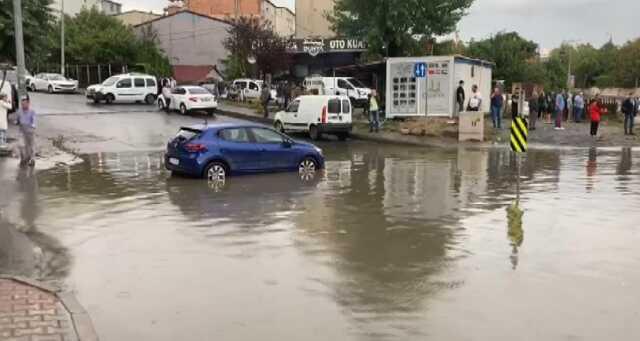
<point>82,324</point>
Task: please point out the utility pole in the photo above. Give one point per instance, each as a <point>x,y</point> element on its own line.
<point>62,38</point>
<point>17,21</point>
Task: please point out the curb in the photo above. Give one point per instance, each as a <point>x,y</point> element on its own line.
<point>81,320</point>
<point>251,118</point>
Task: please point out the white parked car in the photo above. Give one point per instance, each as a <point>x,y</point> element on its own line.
<point>357,92</point>
<point>252,88</point>
<point>187,99</point>
<point>52,82</point>
<point>317,115</point>
<point>130,87</point>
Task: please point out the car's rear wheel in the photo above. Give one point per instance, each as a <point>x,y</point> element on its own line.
<point>150,99</point>
<point>307,168</point>
<point>96,101</point>
<point>314,133</point>
<point>279,127</point>
<point>183,109</point>
<point>216,175</point>
<point>109,99</point>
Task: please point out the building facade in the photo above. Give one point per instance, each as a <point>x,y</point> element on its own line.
<point>73,7</point>
<point>135,17</point>
<point>282,19</point>
<point>192,41</point>
<point>311,18</point>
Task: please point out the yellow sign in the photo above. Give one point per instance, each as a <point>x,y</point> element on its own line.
<point>519,135</point>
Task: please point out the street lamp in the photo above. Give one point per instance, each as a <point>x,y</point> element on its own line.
<point>62,38</point>
<point>570,43</point>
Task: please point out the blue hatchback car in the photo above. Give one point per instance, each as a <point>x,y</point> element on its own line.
<point>215,151</point>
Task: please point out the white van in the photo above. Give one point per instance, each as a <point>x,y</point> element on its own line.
<point>129,87</point>
<point>357,92</point>
<point>251,88</point>
<point>317,115</point>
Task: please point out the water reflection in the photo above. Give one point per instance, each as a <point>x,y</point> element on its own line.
<point>515,232</point>
<point>592,169</point>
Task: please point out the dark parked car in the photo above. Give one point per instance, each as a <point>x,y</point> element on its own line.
<point>215,151</point>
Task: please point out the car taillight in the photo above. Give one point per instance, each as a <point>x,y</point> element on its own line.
<point>193,99</point>
<point>324,114</point>
<point>195,147</point>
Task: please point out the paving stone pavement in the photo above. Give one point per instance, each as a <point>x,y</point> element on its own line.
<point>28,313</point>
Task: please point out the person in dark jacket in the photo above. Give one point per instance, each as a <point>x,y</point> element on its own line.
<point>533,110</point>
<point>515,98</point>
<point>629,110</point>
<point>265,97</point>
<point>460,96</point>
<point>496,108</point>
<point>542,104</point>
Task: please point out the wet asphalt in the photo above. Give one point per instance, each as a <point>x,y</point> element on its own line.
<point>388,243</point>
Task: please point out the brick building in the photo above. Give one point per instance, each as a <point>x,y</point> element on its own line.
<point>282,19</point>
<point>311,21</point>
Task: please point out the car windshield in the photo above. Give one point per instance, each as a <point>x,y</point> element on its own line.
<point>356,83</point>
<point>198,91</point>
<point>110,81</point>
<point>57,78</point>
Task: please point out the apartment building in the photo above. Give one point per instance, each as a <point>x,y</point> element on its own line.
<point>282,19</point>
<point>136,17</point>
<point>73,7</point>
<point>311,20</point>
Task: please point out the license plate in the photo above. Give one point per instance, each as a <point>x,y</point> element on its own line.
<point>206,99</point>
<point>174,161</point>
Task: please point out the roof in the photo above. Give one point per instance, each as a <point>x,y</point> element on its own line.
<point>280,7</point>
<point>218,126</point>
<point>113,2</point>
<point>137,11</point>
<point>182,12</point>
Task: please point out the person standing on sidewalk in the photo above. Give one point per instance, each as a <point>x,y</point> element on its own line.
<point>5,106</point>
<point>496,108</point>
<point>629,111</point>
<point>533,110</point>
<point>475,102</point>
<point>27,123</point>
<point>560,106</point>
<point>460,97</point>
<point>374,112</point>
<point>265,97</point>
<point>595,113</point>
<point>578,107</point>
<point>542,104</point>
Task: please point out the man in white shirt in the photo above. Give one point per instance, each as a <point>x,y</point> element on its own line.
<point>475,101</point>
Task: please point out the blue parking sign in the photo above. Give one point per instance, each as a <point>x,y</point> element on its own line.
<point>420,70</point>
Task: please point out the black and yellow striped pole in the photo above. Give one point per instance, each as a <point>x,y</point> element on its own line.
<point>519,138</point>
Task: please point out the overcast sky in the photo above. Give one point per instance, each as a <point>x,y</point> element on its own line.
<point>547,22</point>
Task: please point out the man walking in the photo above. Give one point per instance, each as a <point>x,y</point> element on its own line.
<point>496,108</point>
<point>265,97</point>
<point>27,123</point>
<point>460,97</point>
<point>578,107</point>
<point>560,106</point>
<point>629,111</point>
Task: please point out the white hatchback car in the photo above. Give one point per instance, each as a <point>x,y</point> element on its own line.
<point>52,82</point>
<point>187,99</point>
<point>130,87</point>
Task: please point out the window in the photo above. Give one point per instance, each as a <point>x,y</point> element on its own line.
<point>139,83</point>
<point>293,107</point>
<point>342,84</point>
<point>238,135</point>
<point>346,106</point>
<point>253,86</point>
<point>187,134</point>
<point>124,83</point>
<point>198,91</point>
<point>242,85</point>
<point>356,82</point>
<point>266,136</point>
<point>110,81</point>
<point>179,91</point>
<point>151,83</point>
<point>334,106</point>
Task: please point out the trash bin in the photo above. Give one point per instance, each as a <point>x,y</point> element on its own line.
<point>471,126</point>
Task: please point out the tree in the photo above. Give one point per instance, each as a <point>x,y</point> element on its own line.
<point>252,37</point>
<point>511,53</point>
<point>389,26</point>
<point>37,22</point>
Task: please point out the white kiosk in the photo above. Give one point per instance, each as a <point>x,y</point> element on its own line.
<point>426,86</point>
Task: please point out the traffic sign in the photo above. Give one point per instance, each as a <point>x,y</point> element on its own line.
<point>519,135</point>
<point>420,70</point>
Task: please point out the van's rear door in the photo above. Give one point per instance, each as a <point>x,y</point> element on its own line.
<point>338,111</point>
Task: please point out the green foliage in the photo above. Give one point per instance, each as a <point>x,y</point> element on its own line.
<point>389,25</point>
<point>252,37</point>
<point>37,22</point>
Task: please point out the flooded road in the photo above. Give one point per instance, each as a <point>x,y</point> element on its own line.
<point>389,243</point>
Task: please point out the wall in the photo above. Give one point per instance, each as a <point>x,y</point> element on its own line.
<point>285,22</point>
<point>191,39</point>
<point>134,18</point>
<point>111,7</point>
<point>310,18</point>
<point>224,9</point>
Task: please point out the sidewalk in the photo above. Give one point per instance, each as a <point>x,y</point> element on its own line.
<point>30,311</point>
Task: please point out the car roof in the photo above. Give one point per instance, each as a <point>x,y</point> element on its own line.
<point>220,126</point>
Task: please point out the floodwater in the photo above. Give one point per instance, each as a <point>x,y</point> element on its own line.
<point>389,243</point>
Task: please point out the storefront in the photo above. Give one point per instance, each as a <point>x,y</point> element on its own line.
<point>322,56</point>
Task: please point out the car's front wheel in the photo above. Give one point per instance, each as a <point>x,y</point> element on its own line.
<point>50,89</point>
<point>183,109</point>
<point>161,105</point>
<point>307,168</point>
<point>109,99</point>
<point>279,127</point>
